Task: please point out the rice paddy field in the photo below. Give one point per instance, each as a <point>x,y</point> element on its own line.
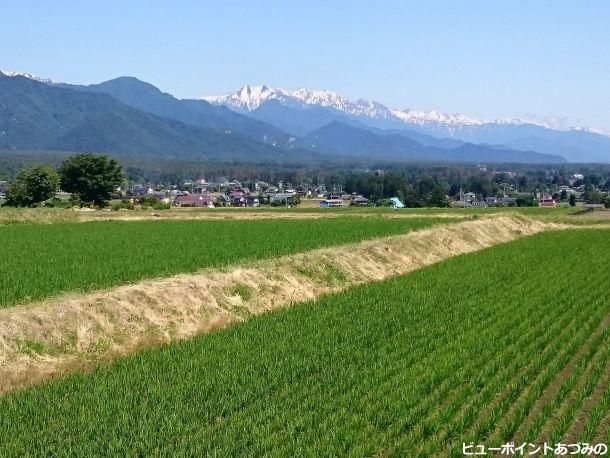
<point>508,343</point>
<point>42,260</point>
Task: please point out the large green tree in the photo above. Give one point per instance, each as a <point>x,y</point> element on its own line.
<point>90,178</point>
<point>32,186</point>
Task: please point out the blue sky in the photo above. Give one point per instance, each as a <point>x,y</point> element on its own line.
<point>482,58</point>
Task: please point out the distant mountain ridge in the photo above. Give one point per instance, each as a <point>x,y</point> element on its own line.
<point>351,140</point>
<point>250,98</point>
<point>146,97</point>
<point>39,116</point>
<point>577,144</point>
<point>129,116</point>
<point>314,112</point>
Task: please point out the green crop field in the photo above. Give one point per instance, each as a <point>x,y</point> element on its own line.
<point>510,342</point>
<point>42,260</point>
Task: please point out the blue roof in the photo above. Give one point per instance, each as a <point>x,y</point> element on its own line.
<point>397,202</point>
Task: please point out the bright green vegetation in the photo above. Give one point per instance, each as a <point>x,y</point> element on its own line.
<point>42,260</point>
<point>459,351</point>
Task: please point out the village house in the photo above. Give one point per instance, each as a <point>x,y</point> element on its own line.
<point>466,199</point>
<point>223,201</point>
<point>469,197</point>
<point>252,201</point>
<point>359,201</point>
<point>567,189</point>
<point>238,192</point>
<point>238,201</point>
<point>329,203</point>
<point>479,204</point>
<point>547,201</point>
<point>261,185</point>
<point>280,197</point>
<point>138,190</point>
<point>396,203</point>
<point>193,200</point>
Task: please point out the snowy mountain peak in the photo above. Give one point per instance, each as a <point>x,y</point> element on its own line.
<point>30,77</point>
<point>424,117</point>
<point>249,98</point>
<point>323,98</point>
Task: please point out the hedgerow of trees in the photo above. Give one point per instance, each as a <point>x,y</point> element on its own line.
<point>91,179</point>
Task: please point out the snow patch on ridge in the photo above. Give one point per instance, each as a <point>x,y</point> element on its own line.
<point>29,76</point>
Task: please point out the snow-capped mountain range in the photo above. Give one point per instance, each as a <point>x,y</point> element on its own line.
<point>287,118</point>
<point>249,98</point>
<point>30,76</point>
<point>304,110</point>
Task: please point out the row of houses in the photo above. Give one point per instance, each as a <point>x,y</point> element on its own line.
<point>234,198</point>
<point>470,200</point>
<point>340,200</point>
<point>224,186</point>
<point>209,201</point>
<point>240,198</point>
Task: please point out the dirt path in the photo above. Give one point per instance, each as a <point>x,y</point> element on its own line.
<point>41,340</point>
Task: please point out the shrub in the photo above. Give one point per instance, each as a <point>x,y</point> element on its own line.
<point>123,205</point>
<point>161,206</point>
<point>32,186</point>
<point>147,201</point>
<point>56,202</point>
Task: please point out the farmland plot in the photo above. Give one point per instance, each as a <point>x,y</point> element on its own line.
<point>38,261</point>
<point>503,344</point>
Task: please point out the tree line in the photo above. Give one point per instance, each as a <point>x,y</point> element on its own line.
<point>90,179</point>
